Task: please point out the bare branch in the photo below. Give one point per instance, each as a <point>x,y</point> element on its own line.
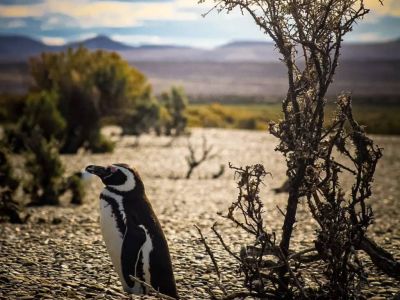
<point>209,251</point>
<point>193,162</point>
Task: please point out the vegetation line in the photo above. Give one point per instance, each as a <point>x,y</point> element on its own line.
<point>378,119</point>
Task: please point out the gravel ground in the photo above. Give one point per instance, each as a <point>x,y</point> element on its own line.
<point>60,252</point>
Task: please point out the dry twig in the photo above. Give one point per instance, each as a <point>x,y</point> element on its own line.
<point>151,289</point>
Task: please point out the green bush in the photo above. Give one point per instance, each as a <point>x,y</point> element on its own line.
<point>144,116</point>
<point>164,118</point>
<point>41,110</point>
<point>10,207</point>
<point>44,184</point>
<point>11,108</point>
<point>89,87</point>
<point>75,185</point>
<point>175,103</point>
<point>249,123</point>
<point>44,165</point>
<point>99,144</point>
<point>225,116</point>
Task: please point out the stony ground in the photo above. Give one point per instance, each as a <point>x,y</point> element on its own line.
<point>60,252</point>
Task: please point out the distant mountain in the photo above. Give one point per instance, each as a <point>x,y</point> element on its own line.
<point>151,46</point>
<point>236,44</point>
<point>253,51</point>
<point>372,51</point>
<point>19,48</point>
<point>242,68</point>
<point>246,51</point>
<point>266,51</point>
<point>14,46</point>
<point>101,42</point>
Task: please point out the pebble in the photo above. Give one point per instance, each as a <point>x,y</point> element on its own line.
<point>61,253</point>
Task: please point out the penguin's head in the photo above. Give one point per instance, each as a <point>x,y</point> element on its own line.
<point>117,176</point>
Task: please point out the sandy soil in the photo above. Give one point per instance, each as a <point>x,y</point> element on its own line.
<point>60,252</point>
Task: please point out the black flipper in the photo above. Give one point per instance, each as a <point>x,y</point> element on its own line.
<point>131,255</point>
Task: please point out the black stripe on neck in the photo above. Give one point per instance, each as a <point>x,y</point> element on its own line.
<point>116,213</point>
<point>115,191</point>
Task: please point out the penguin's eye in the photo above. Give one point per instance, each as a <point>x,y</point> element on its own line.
<point>112,169</point>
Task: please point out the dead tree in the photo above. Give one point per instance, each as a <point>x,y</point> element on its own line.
<point>309,34</point>
<point>193,162</point>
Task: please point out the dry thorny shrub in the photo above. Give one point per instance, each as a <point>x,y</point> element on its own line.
<point>308,35</point>
<point>342,221</point>
<point>260,260</point>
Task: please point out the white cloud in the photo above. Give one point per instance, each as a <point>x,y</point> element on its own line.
<point>53,41</point>
<point>389,7</point>
<point>217,28</point>
<point>16,24</point>
<point>83,36</point>
<point>54,21</point>
<point>137,40</point>
<point>105,13</point>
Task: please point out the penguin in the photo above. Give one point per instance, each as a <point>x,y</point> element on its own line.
<point>132,233</point>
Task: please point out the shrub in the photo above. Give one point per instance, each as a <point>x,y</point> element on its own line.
<point>41,110</point>
<point>11,107</point>
<point>223,116</point>
<point>164,118</point>
<point>314,174</point>
<point>44,165</point>
<point>45,183</point>
<point>89,86</point>
<point>99,144</point>
<point>10,207</point>
<point>144,116</point>
<point>204,116</point>
<point>75,185</point>
<point>175,103</point>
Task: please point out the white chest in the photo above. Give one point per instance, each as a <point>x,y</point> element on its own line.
<point>112,237</point>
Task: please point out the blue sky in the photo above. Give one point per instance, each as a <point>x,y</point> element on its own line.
<point>159,22</point>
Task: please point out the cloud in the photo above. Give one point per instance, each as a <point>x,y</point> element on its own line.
<point>137,40</point>
<point>103,13</point>
<point>389,7</point>
<point>53,41</point>
<point>161,21</point>
<point>20,11</point>
<point>16,2</point>
<point>53,21</point>
<point>15,23</point>
<point>382,29</point>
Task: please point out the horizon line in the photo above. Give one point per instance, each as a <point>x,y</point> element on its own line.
<point>177,44</point>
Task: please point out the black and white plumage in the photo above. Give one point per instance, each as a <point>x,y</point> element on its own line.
<point>131,231</point>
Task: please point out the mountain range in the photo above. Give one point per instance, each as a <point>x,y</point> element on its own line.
<point>20,48</point>
<point>239,69</point>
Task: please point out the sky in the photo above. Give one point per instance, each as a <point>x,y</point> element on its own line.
<point>178,22</point>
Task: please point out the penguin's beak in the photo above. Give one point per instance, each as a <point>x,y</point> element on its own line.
<point>98,170</point>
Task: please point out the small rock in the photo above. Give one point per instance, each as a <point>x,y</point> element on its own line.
<point>56,221</point>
